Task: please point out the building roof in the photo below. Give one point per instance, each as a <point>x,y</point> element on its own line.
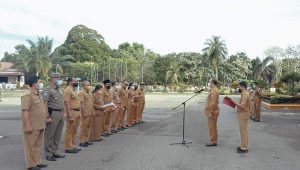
<point>7,70</point>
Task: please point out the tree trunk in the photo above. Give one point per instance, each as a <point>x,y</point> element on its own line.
<point>216,71</point>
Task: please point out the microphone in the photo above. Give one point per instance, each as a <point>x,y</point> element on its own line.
<point>199,91</point>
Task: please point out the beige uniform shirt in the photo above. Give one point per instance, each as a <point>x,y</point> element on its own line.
<point>212,102</point>
<point>123,95</point>
<point>244,111</point>
<point>33,102</point>
<point>70,95</point>
<point>87,102</point>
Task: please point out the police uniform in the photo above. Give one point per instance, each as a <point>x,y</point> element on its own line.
<point>71,96</point>
<point>53,97</point>
<point>123,95</point>
<point>32,102</point>
<point>97,120</point>
<point>87,112</point>
<point>212,112</point>
<point>243,114</point>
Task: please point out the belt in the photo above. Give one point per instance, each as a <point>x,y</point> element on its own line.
<point>75,109</point>
<point>58,110</point>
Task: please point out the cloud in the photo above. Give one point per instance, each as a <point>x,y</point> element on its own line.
<point>163,26</point>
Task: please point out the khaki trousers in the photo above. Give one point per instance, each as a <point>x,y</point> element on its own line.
<point>212,126</point>
<point>114,115</point>
<point>243,132</point>
<point>32,147</point>
<point>53,133</point>
<point>71,131</point>
<point>121,117</point>
<point>85,123</point>
<point>135,111</point>
<point>129,115</point>
<point>140,111</point>
<point>106,122</point>
<point>257,110</point>
<point>96,127</point>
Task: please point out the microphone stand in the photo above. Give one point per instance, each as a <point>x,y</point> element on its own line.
<point>183,120</point>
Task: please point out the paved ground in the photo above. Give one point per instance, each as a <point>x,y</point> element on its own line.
<point>274,143</point>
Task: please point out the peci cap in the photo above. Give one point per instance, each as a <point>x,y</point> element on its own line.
<point>54,75</point>
<point>106,81</point>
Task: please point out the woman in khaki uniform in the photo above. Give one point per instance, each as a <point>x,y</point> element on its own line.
<point>97,120</point>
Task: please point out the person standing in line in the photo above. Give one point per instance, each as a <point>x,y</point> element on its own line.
<point>33,123</point>
<point>87,112</point>
<point>54,105</point>
<point>212,112</point>
<point>243,114</point>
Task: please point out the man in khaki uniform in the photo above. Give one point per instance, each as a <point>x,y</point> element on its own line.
<point>135,105</point>
<point>212,112</point>
<point>129,116</point>
<point>257,102</point>
<point>73,109</point>
<point>54,105</point>
<point>141,103</point>
<point>116,99</point>
<point>243,113</point>
<point>107,98</point>
<point>34,123</point>
<point>87,112</point>
<point>123,95</point>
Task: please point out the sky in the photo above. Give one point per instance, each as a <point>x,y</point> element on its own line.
<point>164,26</point>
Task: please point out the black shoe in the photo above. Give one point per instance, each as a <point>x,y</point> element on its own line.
<point>124,128</point>
<point>239,150</point>
<point>34,168</point>
<point>77,149</point>
<point>105,135</point>
<point>50,158</point>
<point>83,145</point>
<point>58,156</point>
<point>211,144</point>
<point>71,151</point>
<point>142,122</point>
<point>89,143</point>
<point>42,165</point>
<point>256,120</point>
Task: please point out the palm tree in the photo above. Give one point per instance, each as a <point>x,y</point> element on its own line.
<point>172,75</point>
<point>39,55</point>
<point>266,69</point>
<point>216,51</point>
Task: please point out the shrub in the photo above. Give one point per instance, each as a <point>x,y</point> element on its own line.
<point>281,99</point>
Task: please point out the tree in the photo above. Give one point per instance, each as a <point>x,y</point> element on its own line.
<point>291,79</point>
<point>216,51</point>
<point>82,43</point>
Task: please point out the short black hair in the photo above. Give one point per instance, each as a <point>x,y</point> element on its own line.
<point>70,79</point>
<point>32,79</point>
<point>214,81</point>
<point>243,83</point>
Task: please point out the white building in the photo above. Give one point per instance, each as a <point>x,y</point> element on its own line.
<point>8,75</point>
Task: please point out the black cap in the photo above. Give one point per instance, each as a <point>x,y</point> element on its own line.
<point>106,81</point>
<point>142,84</point>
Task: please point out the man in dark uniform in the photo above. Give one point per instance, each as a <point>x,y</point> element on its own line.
<point>54,104</point>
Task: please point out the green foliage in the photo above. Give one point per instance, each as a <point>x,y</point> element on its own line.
<point>291,79</point>
<point>85,44</point>
<point>281,99</point>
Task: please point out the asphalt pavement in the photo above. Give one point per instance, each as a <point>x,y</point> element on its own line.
<point>274,143</point>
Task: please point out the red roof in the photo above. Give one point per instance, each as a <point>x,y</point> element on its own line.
<point>6,70</point>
